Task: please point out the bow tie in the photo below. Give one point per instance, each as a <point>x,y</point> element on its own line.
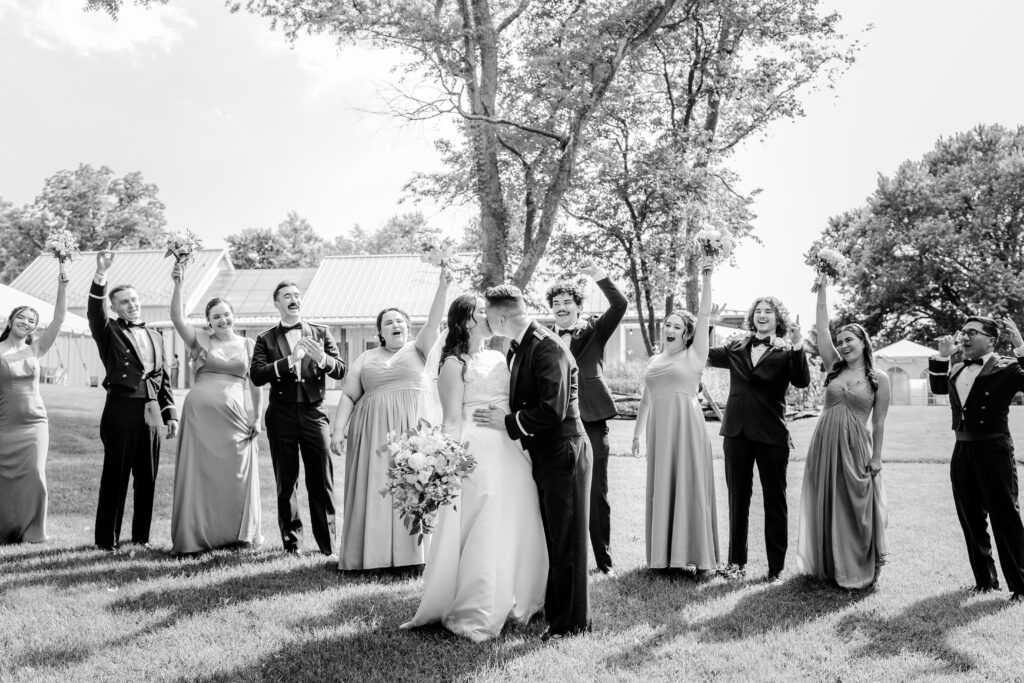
<point>563,330</point>
<point>130,324</point>
<point>758,341</point>
<point>289,328</point>
<point>514,346</point>
<point>973,361</point>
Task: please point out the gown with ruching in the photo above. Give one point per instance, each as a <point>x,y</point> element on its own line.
<point>394,398</point>
<point>216,478</point>
<point>682,523</point>
<point>488,560</point>
<point>842,508</point>
<point>24,440</point>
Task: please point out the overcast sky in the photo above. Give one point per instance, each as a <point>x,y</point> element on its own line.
<point>237,128</point>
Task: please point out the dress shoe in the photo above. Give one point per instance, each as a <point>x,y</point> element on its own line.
<point>1017,597</point>
<point>607,571</point>
<point>734,572</point>
<point>297,552</point>
<point>107,548</point>
<point>774,578</point>
<point>548,635</point>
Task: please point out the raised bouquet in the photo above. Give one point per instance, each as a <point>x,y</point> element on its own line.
<point>828,262</point>
<point>426,468</point>
<point>183,247</point>
<point>63,244</point>
<point>438,252</point>
<point>714,243</point>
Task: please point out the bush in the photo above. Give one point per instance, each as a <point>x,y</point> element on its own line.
<point>626,378</point>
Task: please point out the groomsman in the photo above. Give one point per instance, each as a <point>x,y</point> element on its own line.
<point>761,368</point>
<point>294,357</point>
<point>586,339</point>
<point>139,405</point>
<point>982,471</point>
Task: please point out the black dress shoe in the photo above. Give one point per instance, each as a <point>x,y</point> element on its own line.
<point>774,578</point>
<point>548,635</point>
<point>1017,597</point>
<point>107,548</point>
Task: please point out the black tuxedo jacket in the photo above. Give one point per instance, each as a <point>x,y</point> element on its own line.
<point>124,372</point>
<point>270,365</point>
<point>587,345</point>
<point>543,391</point>
<point>757,394</point>
<point>985,413</point>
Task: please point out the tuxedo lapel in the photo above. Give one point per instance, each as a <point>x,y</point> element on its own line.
<point>748,362</point>
<point>282,342</point>
<point>986,369</point>
<point>157,345</point>
<point>126,337</point>
<point>517,359</point>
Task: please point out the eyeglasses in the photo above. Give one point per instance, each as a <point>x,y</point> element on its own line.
<point>972,333</point>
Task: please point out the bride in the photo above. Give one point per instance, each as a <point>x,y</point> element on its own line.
<point>487,560</point>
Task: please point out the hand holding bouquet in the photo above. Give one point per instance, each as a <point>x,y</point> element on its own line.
<point>183,247</point>
<point>827,262</point>
<point>426,468</point>
<point>63,245</point>
<point>714,244</point>
<point>438,252</point>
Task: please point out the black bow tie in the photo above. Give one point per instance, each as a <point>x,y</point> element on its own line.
<point>289,328</point>
<point>973,361</point>
<point>564,330</point>
<point>514,346</point>
<point>758,341</point>
<point>130,324</point>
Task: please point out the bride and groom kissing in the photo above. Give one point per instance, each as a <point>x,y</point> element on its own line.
<point>517,538</point>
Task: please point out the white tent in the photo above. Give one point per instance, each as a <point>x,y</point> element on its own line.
<point>11,298</point>
<point>906,363</point>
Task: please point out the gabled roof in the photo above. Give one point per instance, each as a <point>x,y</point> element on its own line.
<point>250,292</point>
<point>905,348</point>
<point>11,298</point>
<point>146,270</point>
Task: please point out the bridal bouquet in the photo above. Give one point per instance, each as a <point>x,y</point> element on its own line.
<point>438,252</point>
<point>183,247</point>
<point>714,243</point>
<point>426,468</point>
<point>828,262</point>
<point>63,244</point>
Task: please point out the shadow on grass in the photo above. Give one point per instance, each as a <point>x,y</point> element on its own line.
<point>924,627</point>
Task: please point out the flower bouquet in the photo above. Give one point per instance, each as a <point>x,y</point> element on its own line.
<point>183,247</point>
<point>714,243</point>
<point>438,252</point>
<point>63,244</point>
<point>426,468</point>
<point>828,262</point>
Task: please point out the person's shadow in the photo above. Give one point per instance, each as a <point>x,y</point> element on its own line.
<point>924,626</point>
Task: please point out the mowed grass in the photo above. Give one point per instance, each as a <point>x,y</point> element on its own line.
<point>68,612</point>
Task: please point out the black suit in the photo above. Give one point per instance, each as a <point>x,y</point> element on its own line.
<point>545,415</point>
<point>137,403</point>
<point>983,471</point>
<point>587,343</point>
<point>298,424</point>
<point>755,433</point>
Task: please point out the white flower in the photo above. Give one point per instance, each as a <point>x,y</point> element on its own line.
<point>779,343</point>
<point>416,461</point>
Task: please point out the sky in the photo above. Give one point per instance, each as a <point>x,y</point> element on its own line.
<point>237,128</point>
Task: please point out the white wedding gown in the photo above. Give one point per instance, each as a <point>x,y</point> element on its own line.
<point>488,560</point>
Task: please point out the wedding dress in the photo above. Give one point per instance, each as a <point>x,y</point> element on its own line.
<point>488,560</point>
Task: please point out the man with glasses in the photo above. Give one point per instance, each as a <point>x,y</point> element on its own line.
<point>983,471</point>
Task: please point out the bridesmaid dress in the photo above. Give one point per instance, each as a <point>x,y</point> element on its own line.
<point>24,440</point>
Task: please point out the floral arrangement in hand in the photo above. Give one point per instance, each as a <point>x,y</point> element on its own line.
<point>426,468</point>
<point>438,252</point>
<point>828,262</point>
<point>183,247</point>
<point>714,243</point>
<point>63,244</point>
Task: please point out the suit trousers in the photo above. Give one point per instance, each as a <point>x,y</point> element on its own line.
<point>131,449</point>
<point>297,430</point>
<point>600,510</point>
<point>984,478</point>
<point>741,454</point>
<point>562,473</point>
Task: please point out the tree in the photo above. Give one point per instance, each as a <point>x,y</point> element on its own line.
<point>99,207</point>
<point>940,239</point>
<point>524,79</point>
<point>293,244</point>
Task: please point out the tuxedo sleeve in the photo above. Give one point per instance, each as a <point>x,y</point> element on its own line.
<point>610,319</point>
<point>261,370</point>
<point>334,366</point>
<point>96,313</point>
<point>164,397</point>
<point>718,356</point>
<point>938,376</point>
<point>799,372</point>
<point>551,371</point>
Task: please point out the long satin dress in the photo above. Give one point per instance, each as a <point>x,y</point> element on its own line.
<point>488,560</point>
<point>682,522</point>
<point>24,440</point>
<point>394,397</point>
<point>216,478</point>
<point>842,508</point>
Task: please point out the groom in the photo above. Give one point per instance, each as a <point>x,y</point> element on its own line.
<point>543,394</point>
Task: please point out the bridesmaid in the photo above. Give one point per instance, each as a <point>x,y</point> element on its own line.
<point>24,431</point>
<point>842,509</point>
<point>385,390</point>
<point>681,520</point>
<point>216,479</point>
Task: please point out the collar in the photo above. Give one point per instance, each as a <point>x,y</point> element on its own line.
<point>522,333</point>
<point>985,359</point>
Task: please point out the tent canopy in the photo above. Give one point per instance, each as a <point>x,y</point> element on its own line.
<point>10,298</point>
<point>905,348</point>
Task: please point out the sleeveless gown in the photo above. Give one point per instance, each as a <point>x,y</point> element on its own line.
<point>216,479</point>
<point>488,560</point>
<point>394,398</point>
<point>681,520</point>
<point>24,440</point>
<point>842,509</point>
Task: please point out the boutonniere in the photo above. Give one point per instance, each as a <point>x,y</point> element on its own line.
<point>780,343</point>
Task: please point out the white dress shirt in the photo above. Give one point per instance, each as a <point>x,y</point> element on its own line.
<point>757,351</point>
<point>965,380</point>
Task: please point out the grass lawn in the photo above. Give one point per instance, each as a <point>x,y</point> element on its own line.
<point>68,612</point>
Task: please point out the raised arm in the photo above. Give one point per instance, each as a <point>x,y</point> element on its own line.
<point>60,309</point>
<point>878,413</point>
<point>428,334</point>
<point>451,389</point>
<point>617,304</point>
<point>701,338</point>
<point>185,331</point>
<point>96,310</point>
<point>938,366</point>
<point>826,348</point>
